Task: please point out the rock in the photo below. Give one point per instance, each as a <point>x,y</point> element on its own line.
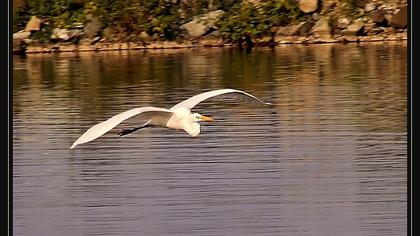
<point>19,46</point>
<point>85,48</point>
<point>34,49</point>
<point>303,28</point>
<point>390,30</point>
<point>351,39</point>
<point>67,48</point>
<point>327,6</point>
<point>89,41</point>
<point>342,23</point>
<point>378,16</point>
<point>21,34</point>
<point>372,39</point>
<point>399,19</point>
<point>388,17</point>
<point>65,34</point>
<point>365,19</point>
<point>155,37</point>
<point>315,17</point>
<point>288,30</point>
<point>308,6</point>
<point>368,27</point>
<point>361,3</point>
<point>29,41</point>
<point>34,24</point>
<point>392,38</point>
<point>93,27</point>
<point>322,27</point>
<point>145,37</point>
<point>95,40</point>
<point>200,25</point>
<point>370,7</point>
<point>211,42</point>
<point>274,29</point>
<point>403,35</point>
<point>212,35</point>
<point>324,40</point>
<point>285,30</point>
<point>354,29</point>
<point>376,30</point>
<point>133,38</point>
<point>336,31</point>
<point>254,2</point>
<point>62,34</point>
<point>78,25</point>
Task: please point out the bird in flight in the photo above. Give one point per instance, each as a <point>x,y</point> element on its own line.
<point>177,117</point>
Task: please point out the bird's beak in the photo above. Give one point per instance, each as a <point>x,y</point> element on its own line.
<point>206,118</point>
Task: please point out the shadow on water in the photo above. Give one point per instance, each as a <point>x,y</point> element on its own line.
<point>329,157</point>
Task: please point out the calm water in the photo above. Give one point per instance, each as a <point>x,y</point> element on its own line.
<point>329,158</point>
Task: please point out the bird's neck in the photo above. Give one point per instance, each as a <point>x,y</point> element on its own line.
<point>193,129</point>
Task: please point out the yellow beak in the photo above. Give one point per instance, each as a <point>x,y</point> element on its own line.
<point>206,118</point>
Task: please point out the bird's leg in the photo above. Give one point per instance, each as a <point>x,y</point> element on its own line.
<point>127,131</point>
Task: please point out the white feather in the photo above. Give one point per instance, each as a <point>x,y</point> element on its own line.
<point>98,130</point>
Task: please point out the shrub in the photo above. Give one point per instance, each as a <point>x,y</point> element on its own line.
<point>256,20</point>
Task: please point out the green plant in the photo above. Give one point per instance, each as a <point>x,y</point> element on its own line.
<point>20,17</point>
<point>256,20</point>
<point>125,18</point>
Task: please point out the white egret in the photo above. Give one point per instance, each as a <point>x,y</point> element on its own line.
<point>177,117</point>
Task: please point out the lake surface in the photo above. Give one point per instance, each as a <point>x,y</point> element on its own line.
<point>328,158</point>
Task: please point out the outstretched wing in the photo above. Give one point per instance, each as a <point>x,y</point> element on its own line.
<point>98,130</point>
<point>193,101</point>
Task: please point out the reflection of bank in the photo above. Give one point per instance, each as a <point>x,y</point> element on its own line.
<point>299,77</point>
<point>355,83</point>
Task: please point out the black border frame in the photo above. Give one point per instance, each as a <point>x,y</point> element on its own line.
<point>7,125</point>
<point>6,65</point>
<point>410,36</point>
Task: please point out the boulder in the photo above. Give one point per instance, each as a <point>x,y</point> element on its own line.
<point>34,24</point>
<point>370,7</point>
<point>21,35</point>
<point>303,28</point>
<point>308,6</point>
<point>213,35</point>
<point>388,17</point>
<point>95,40</point>
<point>342,23</point>
<point>322,27</point>
<point>201,25</point>
<point>78,25</point>
<point>19,46</point>
<point>285,30</point>
<point>399,19</point>
<point>65,34</point>
<point>368,27</point>
<point>93,27</point>
<point>378,16</point>
<point>145,37</point>
<point>354,29</point>
<point>361,3</point>
<point>254,2</point>
<point>327,6</point>
<point>376,30</point>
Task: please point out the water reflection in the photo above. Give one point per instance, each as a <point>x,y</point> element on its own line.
<point>329,158</point>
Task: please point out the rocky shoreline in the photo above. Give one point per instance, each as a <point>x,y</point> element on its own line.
<point>372,21</point>
<point>56,48</point>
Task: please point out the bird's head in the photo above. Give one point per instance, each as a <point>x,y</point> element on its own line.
<point>198,117</point>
